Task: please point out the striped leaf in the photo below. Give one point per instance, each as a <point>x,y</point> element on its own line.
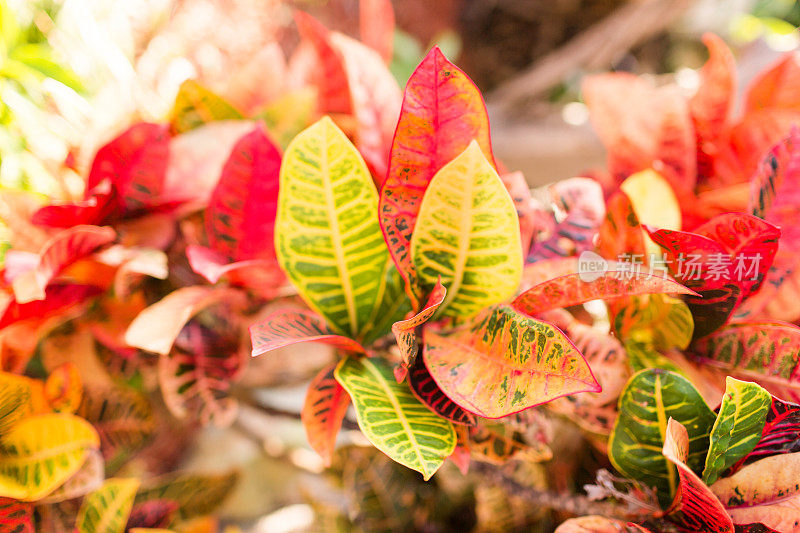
<point>393,419</point>
<point>41,452</point>
<point>88,478</point>
<point>781,434</point>
<point>405,331</point>
<point>16,516</point>
<point>195,494</point>
<point>659,319</point>
<point>503,362</point>
<point>18,399</point>
<point>106,510</point>
<point>285,327</point>
<point>738,427</point>
<point>442,112</point>
<point>428,392</point>
<point>323,411</point>
<point>326,235</point>
<point>195,105</point>
<point>650,398</point>
<point>391,305</point>
<point>467,236</point>
<point>695,507</point>
<point>571,290</point>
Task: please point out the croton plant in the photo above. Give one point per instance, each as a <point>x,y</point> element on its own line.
<point>379,223</point>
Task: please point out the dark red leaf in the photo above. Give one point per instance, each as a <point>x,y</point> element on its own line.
<point>781,434</point>
<point>16,516</point>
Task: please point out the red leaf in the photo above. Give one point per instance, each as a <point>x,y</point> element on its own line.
<point>405,331</point>
<point>62,250</point>
<point>240,220</point>
<point>756,134</point>
<point>781,434</point>
<point>375,100</point>
<point>58,299</point>
<point>323,411</point>
<point>16,516</point>
<point>96,209</point>
<point>695,508</point>
<point>290,326</point>
<point>135,163</point>
<point>442,112</point>
<point>152,514</point>
<point>620,233</point>
<point>376,25</point>
<point>776,86</point>
<point>334,91</point>
<point>428,392</point>
<point>260,275</point>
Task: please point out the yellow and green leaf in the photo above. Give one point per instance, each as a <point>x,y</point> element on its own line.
<point>649,400</point>
<point>195,105</point>
<point>660,319</point>
<point>327,236</point>
<point>467,234</point>
<point>196,494</point>
<point>738,427</point>
<point>106,510</point>
<point>393,419</point>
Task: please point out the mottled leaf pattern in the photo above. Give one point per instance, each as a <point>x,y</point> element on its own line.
<point>323,411</point>
<point>504,362</point>
<point>738,427</point>
<point>195,105</point>
<point>695,507</point>
<point>327,236</point>
<point>106,510</point>
<point>662,320</point>
<point>428,392</point>
<point>442,112</point>
<point>393,419</point>
<point>649,400</point>
<point>467,236</point>
<point>496,445</point>
<point>88,478</point>
<point>290,326</point>
<point>405,331</point>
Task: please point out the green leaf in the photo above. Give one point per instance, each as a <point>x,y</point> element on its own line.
<point>195,494</point>
<point>327,236</point>
<point>660,319</point>
<point>393,419</point>
<point>738,427</point>
<point>106,510</point>
<point>650,398</point>
<point>467,233</point>
<point>195,105</point>
<point>391,304</point>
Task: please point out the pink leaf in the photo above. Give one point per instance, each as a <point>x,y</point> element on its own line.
<point>290,326</point>
<point>376,24</point>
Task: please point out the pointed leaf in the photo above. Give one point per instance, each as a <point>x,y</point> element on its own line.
<point>428,392</point>
<point>442,112</point>
<point>392,419</point>
<point>195,494</point>
<point>41,452</point>
<point>323,411</point>
<point>106,510</point>
<point>290,326</point>
<point>649,400</point>
<point>775,86</point>
<point>135,163</point>
<point>195,105</point>
<point>738,427</point>
<point>391,305</point>
<point>94,210</point>
<point>620,233</point>
<point>327,236</point>
<point>695,507</point>
<point>376,25</point>
<point>467,236</point>
<point>334,92</point>
<point>405,331</point>
<point>240,220</point>
<point>504,362</point>
<point>573,290</point>
<point>62,250</point>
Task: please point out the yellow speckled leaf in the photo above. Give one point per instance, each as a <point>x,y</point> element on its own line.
<point>106,510</point>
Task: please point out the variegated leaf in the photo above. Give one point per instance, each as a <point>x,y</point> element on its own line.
<point>503,362</point>
<point>467,236</point>
<point>781,434</point>
<point>334,92</point>
<point>323,411</point>
<point>393,419</point>
<point>428,392</point>
<point>285,327</point>
<point>664,321</point>
<point>196,494</point>
<point>620,233</point>
<point>106,510</point>
<point>195,105</point>
<point>88,478</point>
<point>63,388</point>
<point>405,331</point>
<point>16,516</point>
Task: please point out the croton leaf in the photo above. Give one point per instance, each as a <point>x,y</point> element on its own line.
<point>650,398</point>
<point>62,250</point>
<point>156,328</point>
<point>376,26</point>
<point>571,290</point>
<point>405,331</point>
<point>428,392</point>
<point>106,510</point>
<point>240,220</point>
<point>781,433</point>
<point>16,516</point>
<point>152,514</point>
<point>529,211</point>
<point>135,163</point>
<point>195,494</point>
<point>334,92</point>
<point>41,452</point>
<point>765,352</point>
<point>442,112</point>
<point>764,492</point>
<point>196,105</point>
<point>724,260</point>
<point>659,319</point>
<point>64,388</point>
<point>262,276</point>
<point>695,508</point>
<point>620,234</point>
<point>327,237</point>
<point>96,209</point>
<point>18,399</point>
<point>495,444</point>
<point>467,236</point>
<point>89,477</point>
<point>391,305</point>
<point>323,411</point>
<point>738,427</point>
<point>775,86</point>
<point>504,362</point>
<point>290,326</point>
<point>393,419</point>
